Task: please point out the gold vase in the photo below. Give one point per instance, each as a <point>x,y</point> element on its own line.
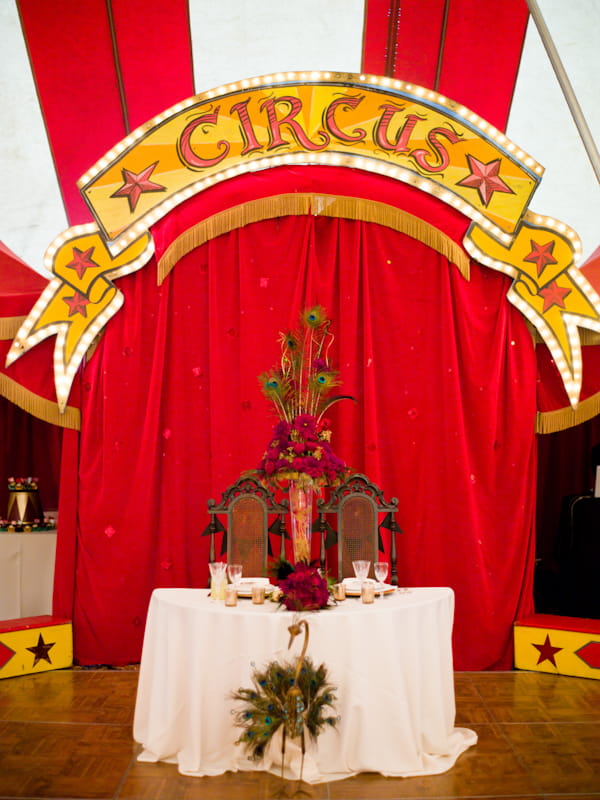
<point>301,497</point>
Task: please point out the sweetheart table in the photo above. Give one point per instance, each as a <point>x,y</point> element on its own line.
<point>391,664</point>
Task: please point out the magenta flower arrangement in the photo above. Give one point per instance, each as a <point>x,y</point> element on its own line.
<point>301,450</point>
<point>304,588</point>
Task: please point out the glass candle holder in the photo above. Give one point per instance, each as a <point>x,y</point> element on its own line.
<point>230,595</point>
<point>339,591</point>
<point>367,593</point>
<point>258,595</point>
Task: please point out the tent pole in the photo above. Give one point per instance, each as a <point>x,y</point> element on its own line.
<point>565,85</point>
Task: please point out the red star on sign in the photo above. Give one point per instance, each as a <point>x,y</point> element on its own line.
<point>485,178</point>
<point>554,295</point>
<point>40,651</point>
<point>136,184</point>
<point>547,651</point>
<point>77,304</point>
<point>82,261</point>
<point>541,254</point>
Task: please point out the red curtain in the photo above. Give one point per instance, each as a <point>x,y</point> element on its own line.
<point>101,68</point>
<point>443,371</point>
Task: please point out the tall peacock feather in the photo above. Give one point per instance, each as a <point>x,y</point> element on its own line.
<point>302,382</point>
<point>300,389</point>
<point>290,696</point>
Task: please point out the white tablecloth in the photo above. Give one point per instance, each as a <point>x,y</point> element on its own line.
<point>26,574</point>
<point>391,663</point>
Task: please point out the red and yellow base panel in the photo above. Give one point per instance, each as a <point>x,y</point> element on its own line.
<point>560,645</point>
<point>35,644</point>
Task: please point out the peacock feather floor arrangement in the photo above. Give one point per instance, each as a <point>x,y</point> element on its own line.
<point>293,696</point>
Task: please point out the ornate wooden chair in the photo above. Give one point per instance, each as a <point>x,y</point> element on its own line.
<point>358,505</point>
<point>252,513</point>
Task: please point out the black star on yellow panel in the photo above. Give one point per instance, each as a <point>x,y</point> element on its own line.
<point>547,651</point>
<point>41,649</point>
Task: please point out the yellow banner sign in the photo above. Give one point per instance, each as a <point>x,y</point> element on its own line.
<point>378,125</point>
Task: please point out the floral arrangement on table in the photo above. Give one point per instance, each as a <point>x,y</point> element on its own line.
<point>23,484</point>
<point>302,587</point>
<point>299,455</point>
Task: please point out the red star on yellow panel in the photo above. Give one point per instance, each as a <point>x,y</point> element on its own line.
<point>82,260</point>
<point>40,651</point>
<point>554,295</point>
<point>541,254</point>
<point>77,304</point>
<point>547,651</point>
<point>136,184</point>
<point>485,178</point>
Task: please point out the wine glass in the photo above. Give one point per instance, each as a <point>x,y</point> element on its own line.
<point>361,570</point>
<point>217,580</point>
<point>381,571</point>
<point>234,573</point>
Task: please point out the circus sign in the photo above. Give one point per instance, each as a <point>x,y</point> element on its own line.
<point>379,125</point>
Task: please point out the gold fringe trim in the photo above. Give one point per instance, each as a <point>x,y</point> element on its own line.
<point>9,326</point>
<point>38,406</point>
<point>563,418</point>
<point>395,218</point>
<point>320,205</point>
<point>589,337</point>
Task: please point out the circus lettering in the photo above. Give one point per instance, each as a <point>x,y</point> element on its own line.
<point>422,156</point>
<point>332,125</point>
<point>381,133</point>
<point>431,161</point>
<point>248,135</point>
<point>186,152</point>
<point>289,119</point>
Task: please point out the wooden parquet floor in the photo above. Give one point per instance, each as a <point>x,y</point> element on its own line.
<point>67,734</point>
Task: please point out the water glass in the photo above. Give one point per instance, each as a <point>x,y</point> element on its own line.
<point>361,570</point>
<point>381,571</point>
<point>234,572</point>
<point>218,579</point>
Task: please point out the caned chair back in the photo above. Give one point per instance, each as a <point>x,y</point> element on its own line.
<point>358,506</point>
<point>248,534</point>
<point>358,532</point>
<point>251,512</point>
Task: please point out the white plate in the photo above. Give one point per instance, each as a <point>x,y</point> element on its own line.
<point>246,584</point>
<point>353,587</point>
